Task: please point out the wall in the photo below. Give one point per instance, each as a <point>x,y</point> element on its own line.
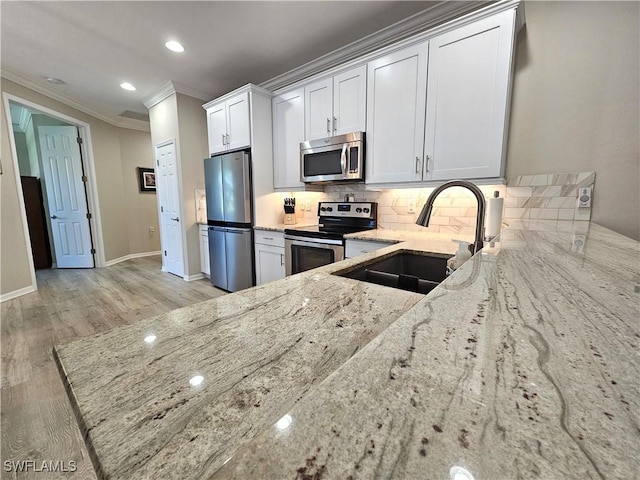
<point>192,124</point>
<point>115,211</point>
<point>23,154</point>
<point>142,212</point>
<point>576,102</point>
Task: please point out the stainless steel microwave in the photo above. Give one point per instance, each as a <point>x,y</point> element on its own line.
<point>333,159</point>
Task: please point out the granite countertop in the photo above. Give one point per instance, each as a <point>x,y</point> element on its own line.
<point>280,227</point>
<point>397,236</point>
<point>522,364</point>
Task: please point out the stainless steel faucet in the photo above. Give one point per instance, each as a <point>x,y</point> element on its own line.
<point>425,214</point>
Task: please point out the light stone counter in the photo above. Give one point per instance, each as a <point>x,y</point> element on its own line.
<point>523,364</point>
<point>280,227</point>
<point>397,236</point>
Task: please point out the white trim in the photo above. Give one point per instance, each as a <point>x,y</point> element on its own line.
<point>89,165</point>
<point>169,89</point>
<point>17,293</point>
<point>131,256</point>
<point>121,122</point>
<point>191,278</point>
<point>25,118</point>
<point>249,88</point>
<point>418,28</point>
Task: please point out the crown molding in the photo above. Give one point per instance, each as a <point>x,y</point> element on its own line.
<point>417,23</point>
<point>171,88</point>
<point>48,92</point>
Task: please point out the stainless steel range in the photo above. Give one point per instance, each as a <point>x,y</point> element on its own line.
<point>318,245</point>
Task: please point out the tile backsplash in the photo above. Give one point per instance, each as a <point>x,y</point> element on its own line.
<point>528,197</point>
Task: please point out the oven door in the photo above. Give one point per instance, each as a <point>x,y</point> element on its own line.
<point>302,254</point>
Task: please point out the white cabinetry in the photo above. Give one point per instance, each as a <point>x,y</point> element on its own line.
<point>396,93</point>
<point>269,251</point>
<point>204,250</point>
<point>468,99</point>
<point>228,124</point>
<point>353,248</point>
<point>288,132</point>
<point>336,105</point>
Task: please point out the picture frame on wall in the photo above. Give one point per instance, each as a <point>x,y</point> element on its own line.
<point>147,179</point>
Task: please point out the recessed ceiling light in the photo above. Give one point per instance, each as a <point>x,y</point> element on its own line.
<point>54,80</point>
<point>127,86</point>
<point>174,46</point>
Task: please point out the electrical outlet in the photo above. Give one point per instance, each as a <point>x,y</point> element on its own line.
<point>307,205</point>
<point>152,230</point>
<point>412,206</point>
<point>577,245</point>
<point>584,197</point>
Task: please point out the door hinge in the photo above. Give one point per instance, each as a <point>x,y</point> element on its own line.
<point>89,215</point>
<point>84,178</point>
<point>157,162</point>
<point>161,209</point>
<point>79,140</point>
<point>93,251</point>
<point>165,253</point>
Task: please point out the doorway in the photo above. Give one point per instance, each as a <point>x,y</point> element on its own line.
<point>53,163</point>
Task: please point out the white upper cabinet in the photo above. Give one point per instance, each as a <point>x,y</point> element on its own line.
<point>396,91</point>
<point>468,99</point>
<point>288,132</point>
<point>336,105</point>
<point>228,124</point>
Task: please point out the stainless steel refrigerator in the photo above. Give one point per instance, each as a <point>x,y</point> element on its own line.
<point>229,216</point>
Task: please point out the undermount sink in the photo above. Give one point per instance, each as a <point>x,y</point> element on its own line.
<point>405,270</point>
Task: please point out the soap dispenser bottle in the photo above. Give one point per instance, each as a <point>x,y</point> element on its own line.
<point>462,255</point>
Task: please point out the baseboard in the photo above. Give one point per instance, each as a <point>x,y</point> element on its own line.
<point>130,256</point>
<point>197,276</point>
<point>17,293</point>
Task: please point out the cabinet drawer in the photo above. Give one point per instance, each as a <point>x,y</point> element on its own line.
<point>353,248</point>
<point>266,237</point>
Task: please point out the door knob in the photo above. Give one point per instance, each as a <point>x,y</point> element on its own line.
<point>54,216</point>
<point>175,219</point>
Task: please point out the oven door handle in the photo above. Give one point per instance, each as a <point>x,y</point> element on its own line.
<point>314,242</point>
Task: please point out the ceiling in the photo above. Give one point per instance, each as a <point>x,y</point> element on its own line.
<point>95,46</point>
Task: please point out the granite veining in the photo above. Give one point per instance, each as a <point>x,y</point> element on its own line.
<point>280,227</point>
<point>258,352</point>
<point>523,364</point>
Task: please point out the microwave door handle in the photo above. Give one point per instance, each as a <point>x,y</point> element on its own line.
<point>343,159</point>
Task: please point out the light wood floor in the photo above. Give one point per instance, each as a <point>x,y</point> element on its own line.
<point>37,420</point>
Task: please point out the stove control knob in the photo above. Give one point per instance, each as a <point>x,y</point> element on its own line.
<point>329,209</point>
<point>366,210</point>
<point>323,209</point>
<point>358,210</point>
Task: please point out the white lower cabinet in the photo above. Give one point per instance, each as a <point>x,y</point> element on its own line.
<point>204,250</point>
<point>353,248</point>
<point>269,252</point>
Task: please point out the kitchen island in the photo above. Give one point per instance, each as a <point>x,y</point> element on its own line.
<point>522,364</point>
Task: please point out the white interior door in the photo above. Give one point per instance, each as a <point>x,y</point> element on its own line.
<point>170,221</point>
<point>66,197</point>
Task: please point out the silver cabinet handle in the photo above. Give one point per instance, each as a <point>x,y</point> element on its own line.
<point>417,164</point>
<point>328,125</point>
<point>281,259</point>
<point>224,139</point>
<point>228,141</point>
<point>176,219</point>
<point>426,163</point>
<point>335,124</point>
<point>268,238</point>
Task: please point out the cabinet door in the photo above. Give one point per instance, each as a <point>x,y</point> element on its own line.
<point>396,91</point>
<point>468,99</point>
<point>238,126</point>
<point>288,132</point>
<point>217,128</point>
<point>350,101</point>
<point>204,254</point>
<point>318,115</point>
<point>269,263</point>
